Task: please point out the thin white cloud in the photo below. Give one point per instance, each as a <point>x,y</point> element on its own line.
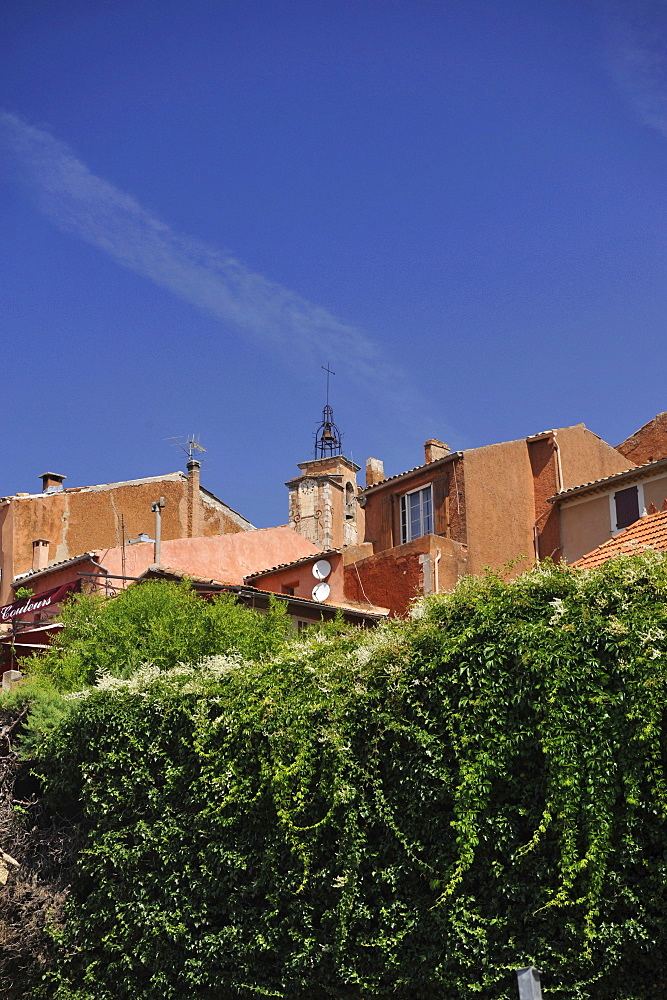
<point>93,210</point>
<point>637,40</point>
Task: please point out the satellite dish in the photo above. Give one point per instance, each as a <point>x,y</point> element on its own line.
<point>321,569</point>
<point>320,592</point>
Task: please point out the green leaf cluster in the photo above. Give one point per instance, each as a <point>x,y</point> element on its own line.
<point>156,622</point>
<point>410,812</point>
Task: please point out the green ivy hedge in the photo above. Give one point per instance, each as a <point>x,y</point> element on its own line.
<point>410,812</point>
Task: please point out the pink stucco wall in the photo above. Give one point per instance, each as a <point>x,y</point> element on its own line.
<point>226,558</point>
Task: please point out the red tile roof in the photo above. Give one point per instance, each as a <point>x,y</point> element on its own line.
<point>368,610</point>
<point>649,532</point>
<point>295,562</point>
<point>635,472</point>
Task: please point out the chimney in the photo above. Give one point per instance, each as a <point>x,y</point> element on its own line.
<point>434,449</point>
<point>194,500</point>
<point>40,553</point>
<point>52,482</point>
<point>374,471</point>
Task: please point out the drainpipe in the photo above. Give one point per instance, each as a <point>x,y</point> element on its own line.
<point>559,465</point>
<point>157,510</point>
<point>559,484</point>
<point>436,581</point>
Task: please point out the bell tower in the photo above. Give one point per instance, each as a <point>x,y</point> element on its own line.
<point>323,504</point>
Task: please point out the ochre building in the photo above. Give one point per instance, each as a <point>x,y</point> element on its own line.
<point>59,523</point>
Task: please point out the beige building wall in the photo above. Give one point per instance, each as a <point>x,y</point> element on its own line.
<point>655,492</point>
<point>586,521</point>
<point>584,525</point>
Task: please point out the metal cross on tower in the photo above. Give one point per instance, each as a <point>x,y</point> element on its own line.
<point>328,439</point>
<point>325,368</point>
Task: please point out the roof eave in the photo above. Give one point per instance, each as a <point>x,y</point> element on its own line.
<point>411,472</point>
<point>33,574</point>
<point>597,485</point>
<point>301,561</point>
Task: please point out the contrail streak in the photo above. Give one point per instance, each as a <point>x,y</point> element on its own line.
<point>88,207</point>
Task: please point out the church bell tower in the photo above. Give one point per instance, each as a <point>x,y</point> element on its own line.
<point>323,504</point>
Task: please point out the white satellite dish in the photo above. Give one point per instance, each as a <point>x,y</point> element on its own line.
<point>321,569</point>
<point>320,592</point>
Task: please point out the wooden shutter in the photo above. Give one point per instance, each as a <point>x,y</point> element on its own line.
<point>440,506</point>
<point>627,506</point>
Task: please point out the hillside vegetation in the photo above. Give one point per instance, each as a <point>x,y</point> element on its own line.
<point>413,811</point>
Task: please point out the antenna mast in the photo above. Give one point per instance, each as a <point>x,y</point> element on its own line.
<point>190,446</point>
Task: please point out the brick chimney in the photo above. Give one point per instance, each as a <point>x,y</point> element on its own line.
<point>52,482</point>
<point>40,553</point>
<point>434,449</point>
<point>194,500</point>
<point>374,471</point>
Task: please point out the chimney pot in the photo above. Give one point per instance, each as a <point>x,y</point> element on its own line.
<point>194,499</point>
<point>52,482</point>
<point>40,553</point>
<point>374,471</point>
<point>434,449</point>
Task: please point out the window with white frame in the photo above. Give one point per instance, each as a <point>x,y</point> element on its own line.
<point>417,513</point>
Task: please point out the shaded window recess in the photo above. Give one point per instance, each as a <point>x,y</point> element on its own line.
<point>350,503</point>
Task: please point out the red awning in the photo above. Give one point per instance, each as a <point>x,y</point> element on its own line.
<point>32,635</point>
<point>47,599</point>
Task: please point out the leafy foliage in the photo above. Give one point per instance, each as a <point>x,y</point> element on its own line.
<point>157,622</point>
<point>412,812</point>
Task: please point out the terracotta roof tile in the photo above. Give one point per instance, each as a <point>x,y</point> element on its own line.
<point>634,472</point>
<point>31,573</point>
<point>296,562</point>
<point>370,610</point>
<point>155,570</point>
<point>649,532</point>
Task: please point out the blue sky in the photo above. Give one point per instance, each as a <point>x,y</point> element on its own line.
<point>461,206</point>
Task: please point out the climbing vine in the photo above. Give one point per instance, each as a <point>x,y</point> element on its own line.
<point>409,812</point>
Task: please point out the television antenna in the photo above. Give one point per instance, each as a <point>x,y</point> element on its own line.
<point>190,446</point>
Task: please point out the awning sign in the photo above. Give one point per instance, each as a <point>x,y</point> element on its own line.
<point>46,599</point>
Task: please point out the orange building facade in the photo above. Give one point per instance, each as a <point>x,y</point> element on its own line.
<point>460,512</point>
<point>59,523</point>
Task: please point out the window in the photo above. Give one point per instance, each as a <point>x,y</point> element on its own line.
<point>626,507</point>
<point>417,514</point>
